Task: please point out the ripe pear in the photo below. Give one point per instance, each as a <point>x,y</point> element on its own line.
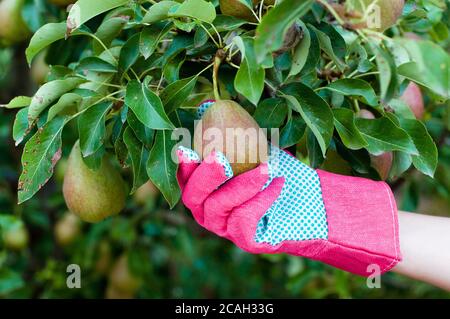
<point>39,69</point>
<point>16,238</point>
<point>146,193</point>
<point>381,163</point>
<point>92,195</point>
<point>228,128</point>
<point>384,13</point>
<point>103,263</point>
<point>12,27</point>
<point>67,229</point>
<point>121,279</point>
<point>412,96</point>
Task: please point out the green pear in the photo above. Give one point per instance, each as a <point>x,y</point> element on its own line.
<point>16,238</point>
<point>93,195</point>
<point>67,229</point>
<point>383,14</point>
<point>39,69</point>
<point>121,280</point>
<point>12,27</point>
<point>227,127</point>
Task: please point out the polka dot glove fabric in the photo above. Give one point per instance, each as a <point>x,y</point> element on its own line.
<point>283,206</point>
<point>299,212</point>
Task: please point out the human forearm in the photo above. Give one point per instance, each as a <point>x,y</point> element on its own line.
<point>425,244</point>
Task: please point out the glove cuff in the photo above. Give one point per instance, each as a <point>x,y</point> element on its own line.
<point>362,224</point>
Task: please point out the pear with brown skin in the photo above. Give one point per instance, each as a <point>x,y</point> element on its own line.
<point>227,127</point>
<point>12,27</point>
<point>381,14</point>
<point>93,195</point>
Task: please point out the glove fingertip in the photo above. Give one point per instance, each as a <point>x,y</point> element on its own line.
<point>187,155</point>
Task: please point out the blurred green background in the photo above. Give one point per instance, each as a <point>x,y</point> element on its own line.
<point>149,251</point>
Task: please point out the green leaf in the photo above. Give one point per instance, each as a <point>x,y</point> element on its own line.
<point>10,281</point>
<point>43,37</point>
<point>151,36</point>
<point>171,69</point>
<point>94,161</point>
<point>40,155</point>
<point>129,53</point>
<point>84,10</point>
<point>162,169</point>
<point>355,88</point>
<point>92,129</point>
<point>143,133</point>
<point>158,11</point>
<point>249,80</point>
<point>227,23</point>
<point>315,155</point>
<point>147,106</point>
<point>67,105</point>
<point>429,67</point>
<point>197,9</point>
<point>401,108</point>
<point>50,92</point>
<point>139,157</point>
<point>314,54</point>
<point>382,135</point>
<point>18,102</point>
<point>180,43</point>
<point>401,162</point>
<point>177,92</point>
<point>20,127</point>
<point>271,113</point>
<point>301,52</point>
<point>388,73</point>
<point>427,160</point>
<point>314,110</point>
<point>107,32</point>
<point>327,46</point>
<point>292,132</point>
<point>344,121</point>
<point>94,64</point>
<point>270,32</point>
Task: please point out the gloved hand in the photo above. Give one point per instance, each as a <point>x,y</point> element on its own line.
<point>283,206</point>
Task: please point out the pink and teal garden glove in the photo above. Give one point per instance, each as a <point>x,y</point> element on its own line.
<point>284,206</point>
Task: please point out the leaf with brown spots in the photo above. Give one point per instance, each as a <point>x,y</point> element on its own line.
<point>49,93</point>
<point>41,153</point>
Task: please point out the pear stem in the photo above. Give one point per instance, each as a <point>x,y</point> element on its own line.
<point>220,55</point>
